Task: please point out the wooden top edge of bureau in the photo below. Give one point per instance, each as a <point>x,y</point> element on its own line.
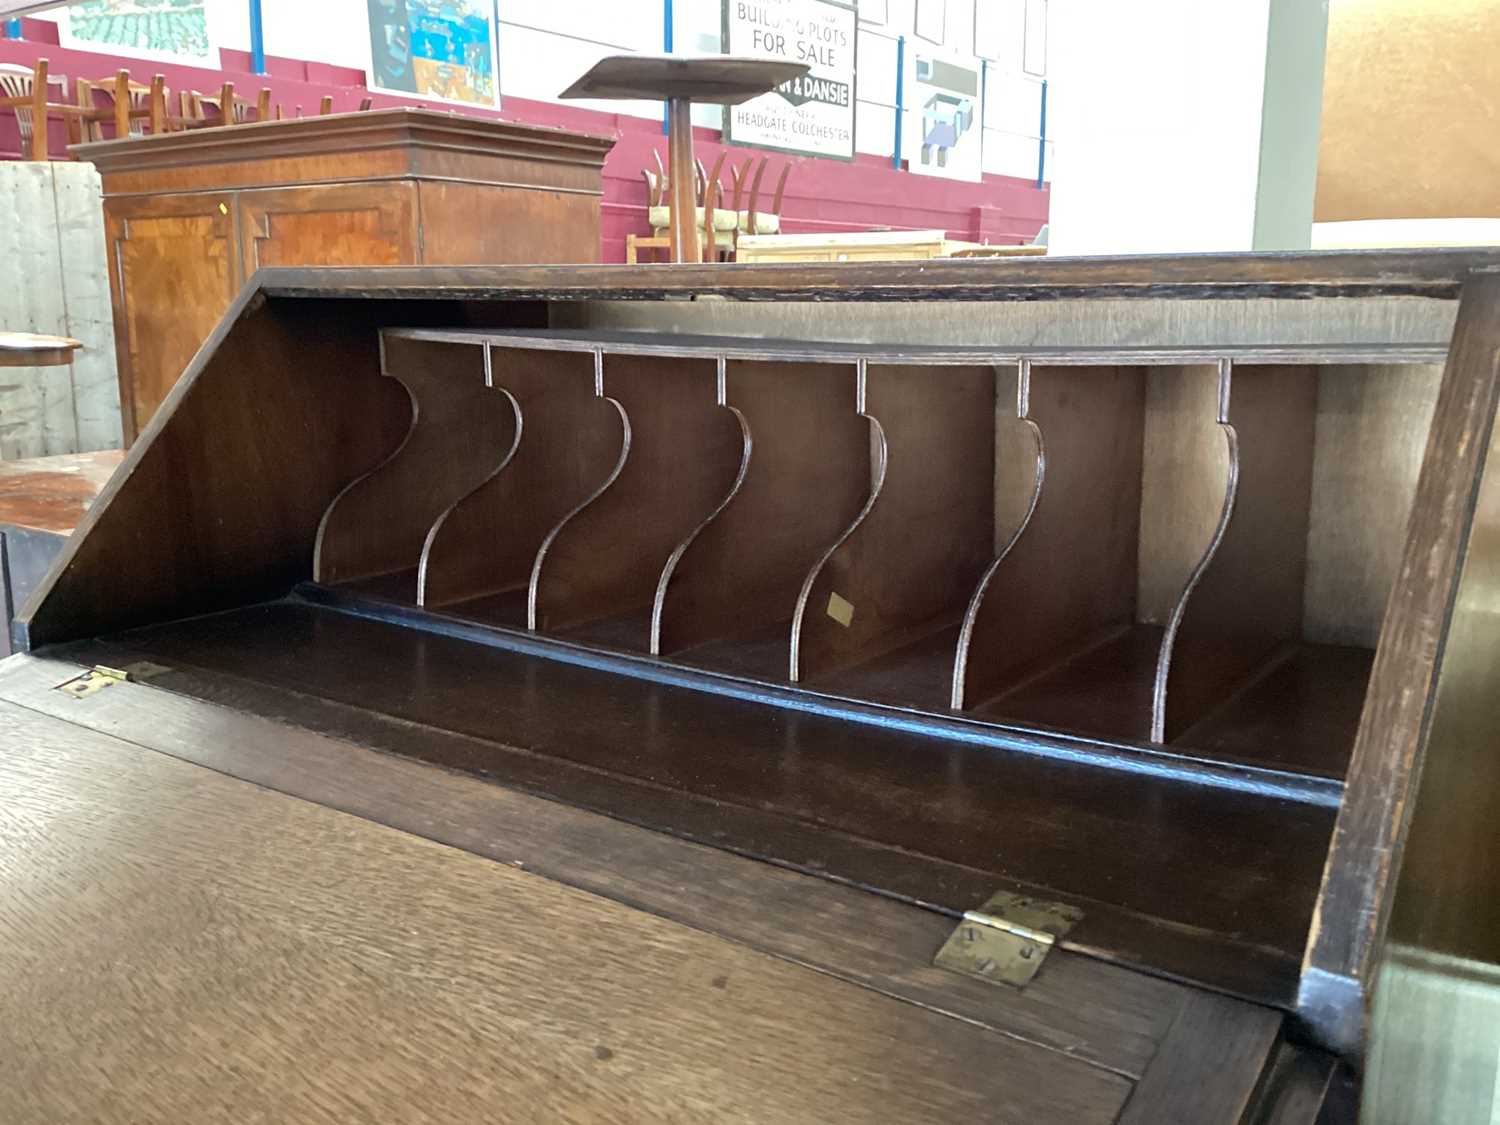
<point>1422,273</point>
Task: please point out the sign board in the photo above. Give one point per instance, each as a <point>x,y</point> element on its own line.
<point>944,117</point>
<point>438,49</point>
<point>813,114</point>
<point>169,30</point>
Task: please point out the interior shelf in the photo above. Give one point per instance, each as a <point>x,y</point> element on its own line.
<point>1125,544</point>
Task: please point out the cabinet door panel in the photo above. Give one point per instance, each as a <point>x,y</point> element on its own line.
<point>174,271</point>
<point>353,225</point>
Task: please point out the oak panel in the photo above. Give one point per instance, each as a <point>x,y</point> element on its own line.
<point>312,966</point>
<point>461,431</point>
<point>805,481</point>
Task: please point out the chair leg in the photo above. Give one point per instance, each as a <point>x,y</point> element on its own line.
<point>39,120</point>
<point>630,249</point>
<point>122,105</point>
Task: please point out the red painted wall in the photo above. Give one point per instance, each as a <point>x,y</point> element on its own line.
<point>821,196</point>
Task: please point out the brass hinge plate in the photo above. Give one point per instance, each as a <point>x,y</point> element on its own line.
<point>99,677</point>
<point>1006,940</point>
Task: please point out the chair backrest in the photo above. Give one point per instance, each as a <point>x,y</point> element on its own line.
<point>19,82</point>
<point>712,190</point>
<point>781,188</point>
<point>741,177</point>
<point>655,195</point>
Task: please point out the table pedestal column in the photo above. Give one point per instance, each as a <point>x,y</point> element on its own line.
<point>680,170</point>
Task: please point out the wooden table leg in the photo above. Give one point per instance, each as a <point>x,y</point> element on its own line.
<point>680,170</point>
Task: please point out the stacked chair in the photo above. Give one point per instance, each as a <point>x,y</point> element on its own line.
<point>118,107</point>
<point>720,226</point>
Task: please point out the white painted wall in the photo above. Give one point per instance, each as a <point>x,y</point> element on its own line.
<point>1157,109</point>
<point>54,280</point>
<point>545,44</point>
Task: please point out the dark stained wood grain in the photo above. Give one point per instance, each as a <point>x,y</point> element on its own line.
<point>1108,1016</point>
<point>1301,711</point>
<point>480,553</point>
<point>1385,769</point>
<point>1432,273</point>
<point>247,503</point>
<point>1248,600</point>
<point>1070,574</point>
<point>461,432</point>
<point>231,951</point>
<point>1304,1086</point>
<point>807,478</point>
<point>1204,873</point>
<point>1209,1065</point>
<point>683,455</point>
<point>1194,866</point>
<point>910,562</point>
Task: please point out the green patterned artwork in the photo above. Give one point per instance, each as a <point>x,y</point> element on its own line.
<point>156,27</point>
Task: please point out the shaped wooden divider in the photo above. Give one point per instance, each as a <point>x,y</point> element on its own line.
<point>478,557</point>
<point>738,576</point>
<point>1068,630</point>
<point>461,432</point>
<point>600,567</point>
<point>1067,576</point>
<point>904,571</point>
<point>1247,602</point>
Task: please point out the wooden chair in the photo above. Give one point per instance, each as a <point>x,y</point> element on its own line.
<point>754,220</point>
<point>26,92</point>
<point>719,224</point>
<point>131,106</point>
<point>657,214</point>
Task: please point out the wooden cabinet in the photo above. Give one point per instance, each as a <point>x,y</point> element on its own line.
<point>373,224</point>
<point>190,216</point>
<point>173,269</point>
<point>1156,592</point>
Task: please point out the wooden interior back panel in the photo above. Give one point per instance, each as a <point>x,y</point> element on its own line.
<point>683,456</point>
<point>1028,612</point>
<point>480,553</point>
<point>461,431</point>
<point>807,477</point>
<point>1248,599</point>
<point>911,561</point>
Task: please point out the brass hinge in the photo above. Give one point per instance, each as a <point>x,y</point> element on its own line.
<point>96,679</point>
<point>1006,940</point>
<point>99,677</point>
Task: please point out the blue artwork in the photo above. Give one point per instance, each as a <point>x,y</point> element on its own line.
<point>445,48</point>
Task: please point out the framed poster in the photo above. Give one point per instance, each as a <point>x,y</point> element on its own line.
<point>945,128</point>
<point>438,49</point>
<point>170,30</point>
<point>813,115</point>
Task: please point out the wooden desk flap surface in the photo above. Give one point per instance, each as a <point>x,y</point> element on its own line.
<point>181,945</point>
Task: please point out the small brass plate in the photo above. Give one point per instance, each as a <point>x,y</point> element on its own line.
<point>93,681</point>
<point>1006,940</point>
<point>841,610</point>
